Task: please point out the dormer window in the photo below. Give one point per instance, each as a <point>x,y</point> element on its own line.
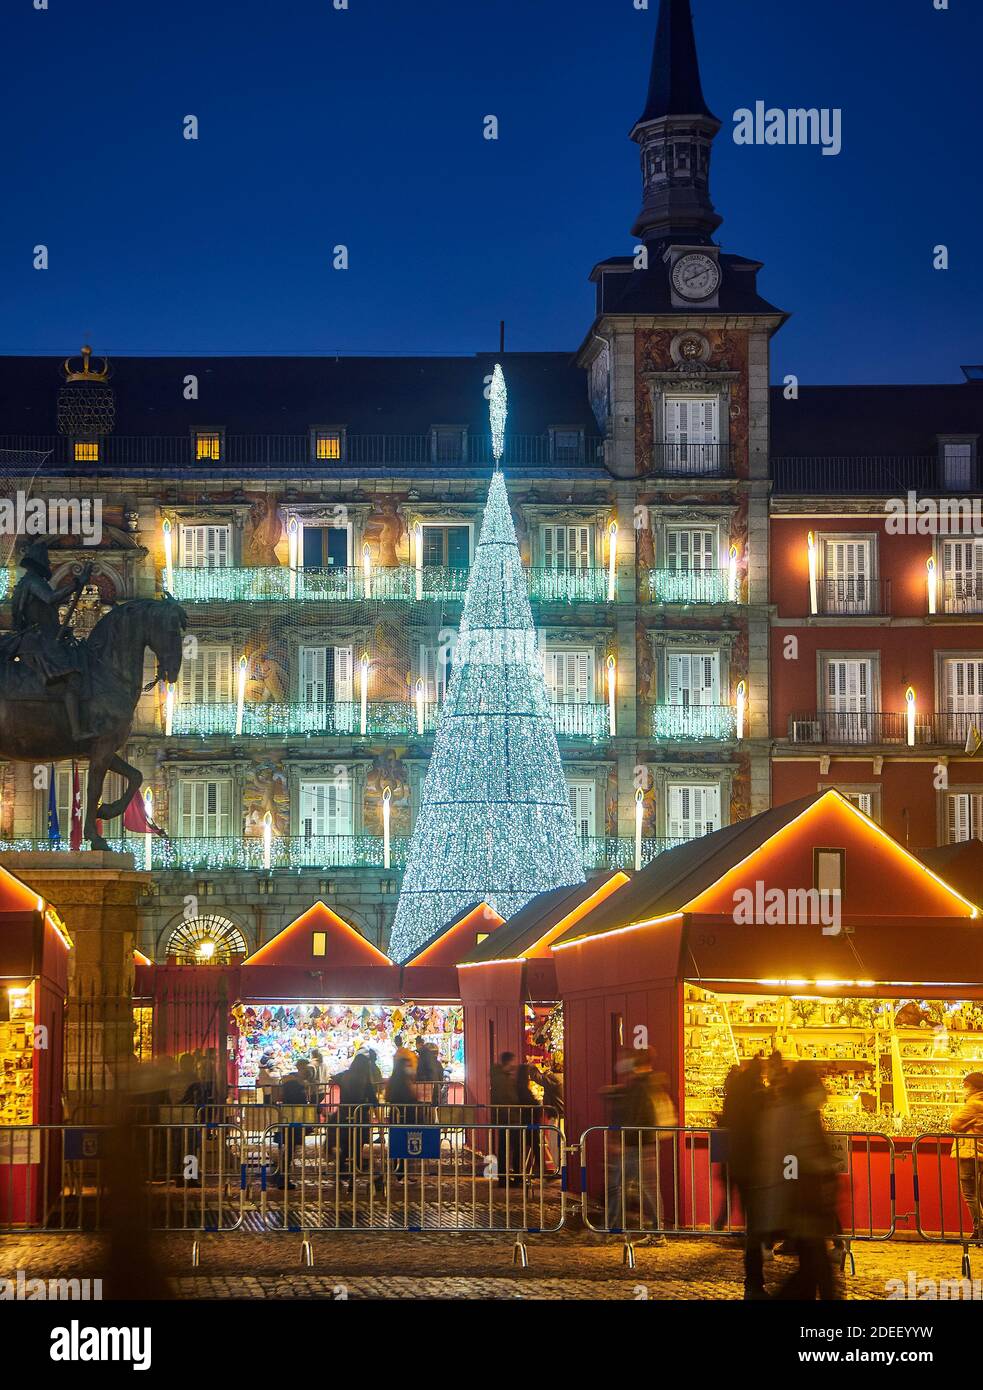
<point>85,450</point>
<point>568,445</point>
<point>958,462</point>
<point>448,444</point>
<point>208,445</point>
<point>327,446</point>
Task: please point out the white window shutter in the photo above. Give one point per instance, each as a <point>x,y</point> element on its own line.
<point>343,667</point>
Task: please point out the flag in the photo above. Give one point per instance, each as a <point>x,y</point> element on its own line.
<point>135,818</point>
<point>75,834</point>
<point>54,834</point>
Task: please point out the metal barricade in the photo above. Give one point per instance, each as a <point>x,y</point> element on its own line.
<point>948,1180</point>
<point>370,1175</point>
<point>196,1176</point>
<point>675,1180</point>
<point>52,1178</point>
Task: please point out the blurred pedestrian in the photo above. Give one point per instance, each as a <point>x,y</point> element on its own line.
<point>967,1119</point>
<point>642,1108</point>
<point>744,1103</point>
<point>504,1099</point>
<point>808,1172</point>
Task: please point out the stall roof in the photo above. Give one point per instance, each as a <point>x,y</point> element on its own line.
<point>447,945</point>
<point>294,945</point>
<point>544,919</point>
<point>960,864</point>
<point>703,875</point>
<point>16,895</point>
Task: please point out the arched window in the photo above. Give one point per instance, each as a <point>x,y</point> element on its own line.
<point>208,940</point>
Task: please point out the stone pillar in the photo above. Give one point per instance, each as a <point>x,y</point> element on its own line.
<point>96,894</point>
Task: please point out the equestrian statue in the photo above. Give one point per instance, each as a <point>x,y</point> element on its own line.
<point>64,697</point>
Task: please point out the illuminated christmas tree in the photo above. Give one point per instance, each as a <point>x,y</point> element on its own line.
<point>495,823</point>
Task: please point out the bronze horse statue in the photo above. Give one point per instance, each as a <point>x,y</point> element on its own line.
<point>35,725</point>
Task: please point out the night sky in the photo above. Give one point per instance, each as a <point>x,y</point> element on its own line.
<point>364,127</point>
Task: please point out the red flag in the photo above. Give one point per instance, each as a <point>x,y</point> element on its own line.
<point>135,818</point>
<point>75,834</point>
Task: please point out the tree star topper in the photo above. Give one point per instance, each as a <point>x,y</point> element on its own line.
<point>498,409</point>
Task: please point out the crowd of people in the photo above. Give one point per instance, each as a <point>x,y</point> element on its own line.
<point>526,1106</point>
<point>782,1166</point>
<point>417,1077</point>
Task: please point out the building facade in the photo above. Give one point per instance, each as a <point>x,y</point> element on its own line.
<point>317,517</point>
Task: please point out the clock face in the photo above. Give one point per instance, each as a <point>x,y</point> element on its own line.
<point>695,276</point>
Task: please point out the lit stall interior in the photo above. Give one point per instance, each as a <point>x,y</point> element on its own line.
<point>894,1065</point>
<point>287,1032</point>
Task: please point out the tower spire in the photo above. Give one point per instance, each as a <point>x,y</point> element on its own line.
<point>675,132</point>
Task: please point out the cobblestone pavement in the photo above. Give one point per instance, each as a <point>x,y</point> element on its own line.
<point>565,1265</point>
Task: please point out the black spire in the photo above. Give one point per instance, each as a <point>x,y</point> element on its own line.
<point>674,86</point>
<point>675,133</point>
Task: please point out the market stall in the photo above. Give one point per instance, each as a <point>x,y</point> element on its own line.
<point>34,954</point>
<point>717,953</point>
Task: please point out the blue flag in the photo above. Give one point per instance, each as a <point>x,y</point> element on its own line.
<point>54,833</point>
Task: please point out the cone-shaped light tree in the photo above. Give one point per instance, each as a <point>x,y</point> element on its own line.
<point>495,822</point>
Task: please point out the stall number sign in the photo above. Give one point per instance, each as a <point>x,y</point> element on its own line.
<point>82,1143</point>
<point>406,1142</point>
<point>20,1146</point>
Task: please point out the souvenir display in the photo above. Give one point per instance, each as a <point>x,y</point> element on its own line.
<point>17,1061</point>
<point>895,1065</point>
<point>286,1032</point>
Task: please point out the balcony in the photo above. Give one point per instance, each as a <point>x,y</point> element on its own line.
<point>685,460</point>
<point>692,723</point>
<point>567,585</point>
<point>854,598</point>
<point>890,728</point>
<point>349,584</point>
<point>689,586</point>
<point>963,594</point>
<point>383,451</point>
<point>865,475</point>
<point>387,718</point>
<point>303,853</point>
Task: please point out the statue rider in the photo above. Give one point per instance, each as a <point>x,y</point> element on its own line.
<point>44,643</point>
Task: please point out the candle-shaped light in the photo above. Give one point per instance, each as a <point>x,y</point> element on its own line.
<point>639,813</point>
<point>363,690</point>
<point>741,707</point>
<point>168,556</point>
<point>612,560</point>
<point>732,575</point>
<point>813,581</point>
<point>293,554</point>
<point>169,708</point>
<point>367,569</point>
<point>268,840</point>
<point>387,797</point>
<point>241,693</point>
<point>909,697</point>
<point>418,557</point>
<point>933,585</point>
<point>421,705</point>
<point>148,839</point>
<point>612,693</point>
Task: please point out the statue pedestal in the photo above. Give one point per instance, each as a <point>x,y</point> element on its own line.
<point>96,894</point>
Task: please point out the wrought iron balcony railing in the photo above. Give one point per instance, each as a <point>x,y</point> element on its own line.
<point>861,474</point>
<point>689,586</point>
<point>685,723</point>
<point>291,450</point>
<point>300,853</point>
<point>853,598</point>
<point>390,718</point>
<point>884,727</point>
<point>567,585</point>
<point>350,584</point>
<point>691,459</point>
<point>963,594</point>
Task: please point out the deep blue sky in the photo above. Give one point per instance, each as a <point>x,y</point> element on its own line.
<point>365,127</point>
